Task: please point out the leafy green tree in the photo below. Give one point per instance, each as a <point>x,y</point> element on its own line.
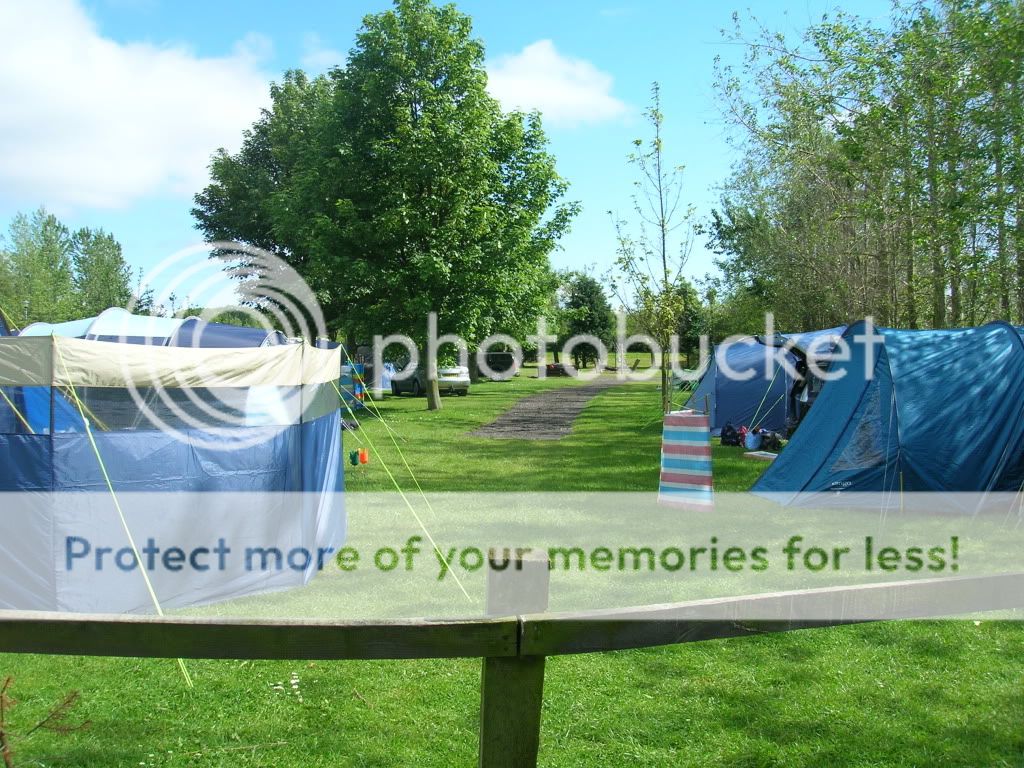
<point>102,278</point>
<point>49,274</point>
<point>586,313</point>
<point>37,266</point>
<point>649,278</point>
<point>396,186</point>
<point>881,169</point>
<point>691,320</point>
<point>143,300</point>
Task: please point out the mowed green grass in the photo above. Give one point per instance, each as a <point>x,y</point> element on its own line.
<point>610,448</point>
<point>906,694</point>
<point>615,444</point>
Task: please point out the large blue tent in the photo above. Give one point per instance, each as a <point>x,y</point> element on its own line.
<point>760,399</point>
<point>87,425</point>
<point>935,410</point>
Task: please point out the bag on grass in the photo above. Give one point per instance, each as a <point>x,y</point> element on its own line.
<point>729,435</point>
<point>771,441</point>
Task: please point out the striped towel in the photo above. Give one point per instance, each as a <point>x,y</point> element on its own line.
<point>686,461</point>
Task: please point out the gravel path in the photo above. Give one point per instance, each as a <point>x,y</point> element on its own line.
<point>545,415</point>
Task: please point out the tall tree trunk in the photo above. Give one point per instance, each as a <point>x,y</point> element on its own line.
<point>972,281</point>
<point>1019,253</point>
<point>954,298</point>
<point>666,385</point>
<point>954,243</point>
<point>909,256</point>
<point>894,275</point>
<point>433,393</point>
<point>908,211</point>
<point>433,396</point>
<point>1017,171</point>
<point>1002,257</point>
<point>935,239</point>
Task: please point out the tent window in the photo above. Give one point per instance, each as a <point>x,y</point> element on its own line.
<point>866,447</point>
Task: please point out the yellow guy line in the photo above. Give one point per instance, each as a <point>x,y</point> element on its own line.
<point>353,431</point>
<point>10,320</point>
<point>65,391</point>
<point>401,493</point>
<point>401,454</point>
<point>16,411</point>
<point>374,409</point>
<point>375,413</point>
<point>768,412</point>
<point>765,397</point>
<point>117,503</point>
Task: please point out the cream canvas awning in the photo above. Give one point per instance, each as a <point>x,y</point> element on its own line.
<point>51,360</point>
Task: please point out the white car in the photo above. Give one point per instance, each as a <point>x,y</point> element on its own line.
<point>452,379</point>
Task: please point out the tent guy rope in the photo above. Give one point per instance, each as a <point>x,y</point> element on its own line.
<point>117,503</point>
<point>394,481</point>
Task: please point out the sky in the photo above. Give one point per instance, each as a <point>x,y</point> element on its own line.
<point>112,108</point>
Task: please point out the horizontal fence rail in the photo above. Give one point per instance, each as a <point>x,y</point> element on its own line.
<point>513,646</point>
<point>724,617</point>
<point>201,638</point>
<point>530,634</point>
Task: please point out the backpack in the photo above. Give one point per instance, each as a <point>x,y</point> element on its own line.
<point>729,435</point>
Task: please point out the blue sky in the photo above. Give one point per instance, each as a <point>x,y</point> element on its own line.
<point>113,106</point>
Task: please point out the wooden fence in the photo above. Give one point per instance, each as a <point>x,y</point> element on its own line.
<point>514,644</point>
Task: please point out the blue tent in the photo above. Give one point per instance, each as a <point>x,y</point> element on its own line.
<point>119,325</point>
<point>256,431</point>
<point>194,332</point>
<point>762,399</point>
<point>917,410</point>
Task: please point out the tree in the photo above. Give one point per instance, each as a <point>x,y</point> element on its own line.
<point>8,313</point>
<point>38,270</point>
<point>49,274</point>
<point>101,277</point>
<point>691,320</point>
<point>649,279</point>
<point>396,186</point>
<point>143,299</point>
<point>881,169</point>
<point>586,312</point>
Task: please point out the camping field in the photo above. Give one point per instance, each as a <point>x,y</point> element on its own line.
<point>909,694</point>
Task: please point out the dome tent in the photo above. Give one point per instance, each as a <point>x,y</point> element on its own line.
<point>117,324</point>
<point>761,400</point>
<point>192,455</point>
<point>894,420</point>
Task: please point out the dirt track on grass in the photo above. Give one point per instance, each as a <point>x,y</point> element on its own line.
<point>545,415</point>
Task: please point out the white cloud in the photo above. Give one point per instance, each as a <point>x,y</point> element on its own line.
<point>317,57</point>
<point>566,90</point>
<point>87,121</point>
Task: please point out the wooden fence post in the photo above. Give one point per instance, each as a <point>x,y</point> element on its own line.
<point>512,689</point>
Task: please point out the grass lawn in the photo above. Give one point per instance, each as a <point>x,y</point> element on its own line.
<point>907,694</point>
